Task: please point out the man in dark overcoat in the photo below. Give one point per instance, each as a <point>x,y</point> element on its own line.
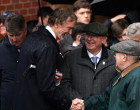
<point>82,75</point>
<point>9,51</point>
<point>38,60</point>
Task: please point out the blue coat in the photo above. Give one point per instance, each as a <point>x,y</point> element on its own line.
<point>8,64</point>
<point>35,88</point>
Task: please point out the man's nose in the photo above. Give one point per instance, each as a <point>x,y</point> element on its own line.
<point>70,31</point>
<point>124,38</point>
<point>86,15</point>
<point>14,38</point>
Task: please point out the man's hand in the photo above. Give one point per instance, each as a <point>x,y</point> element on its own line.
<point>121,16</point>
<point>58,77</point>
<point>77,104</point>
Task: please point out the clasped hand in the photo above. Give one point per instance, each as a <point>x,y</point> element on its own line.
<point>77,104</point>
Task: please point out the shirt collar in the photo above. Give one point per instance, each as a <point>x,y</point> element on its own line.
<point>98,55</point>
<point>51,31</point>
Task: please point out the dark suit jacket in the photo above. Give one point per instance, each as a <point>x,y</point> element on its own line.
<point>80,79</point>
<point>35,88</point>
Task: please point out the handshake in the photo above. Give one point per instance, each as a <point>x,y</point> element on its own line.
<point>77,104</point>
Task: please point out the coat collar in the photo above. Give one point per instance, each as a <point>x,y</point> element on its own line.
<point>6,41</point>
<point>126,71</point>
<point>85,60</point>
<point>48,34</point>
<point>103,56</point>
<point>131,67</point>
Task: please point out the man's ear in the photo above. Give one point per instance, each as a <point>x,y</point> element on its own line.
<point>104,41</point>
<point>78,37</point>
<point>56,23</point>
<point>124,57</point>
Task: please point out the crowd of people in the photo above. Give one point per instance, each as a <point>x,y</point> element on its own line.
<point>63,61</point>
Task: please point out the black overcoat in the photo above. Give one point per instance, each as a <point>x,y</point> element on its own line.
<point>35,88</point>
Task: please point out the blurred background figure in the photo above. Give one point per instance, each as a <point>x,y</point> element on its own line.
<point>117,31</point>
<point>77,33</point>
<point>116,28</point>
<point>34,24</point>
<point>2,27</point>
<point>83,12</point>
<point>133,32</point>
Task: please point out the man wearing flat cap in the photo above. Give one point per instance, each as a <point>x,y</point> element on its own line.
<point>124,91</point>
<point>88,70</point>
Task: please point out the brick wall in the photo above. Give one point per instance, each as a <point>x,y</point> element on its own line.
<point>28,8</point>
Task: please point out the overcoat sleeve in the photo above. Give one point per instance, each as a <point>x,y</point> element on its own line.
<point>66,83</point>
<point>98,102</point>
<point>46,64</point>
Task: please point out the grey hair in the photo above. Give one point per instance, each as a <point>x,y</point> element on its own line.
<point>133,30</point>
<point>15,22</point>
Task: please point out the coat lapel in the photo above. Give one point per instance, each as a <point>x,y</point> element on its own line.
<point>48,34</point>
<point>85,60</point>
<point>103,62</point>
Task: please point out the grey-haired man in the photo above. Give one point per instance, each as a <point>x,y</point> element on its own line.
<point>38,60</point>
<point>133,32</point>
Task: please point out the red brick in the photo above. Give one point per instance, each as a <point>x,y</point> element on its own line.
<point>23,12</point>
<point>25,0</point>
<point>18,6</point>
<point>6,1</point>
<point>17,11</point>
<point>34,17</point>
<point>43,3</point>
<point>2,8</point>
<point>15,1</point>
<point>27,18</point>
<point>27,5</point>
<point>34,4</point>
<point>10,7</point>
<point>32,11</point>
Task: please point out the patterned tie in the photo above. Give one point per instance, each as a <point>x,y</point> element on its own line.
<point>94,60</point>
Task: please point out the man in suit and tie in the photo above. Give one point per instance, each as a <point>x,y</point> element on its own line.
<point>89,70</point>
<point>38,60</point>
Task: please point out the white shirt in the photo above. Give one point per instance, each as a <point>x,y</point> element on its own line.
<point>51,31</point>
<point>98,55</point>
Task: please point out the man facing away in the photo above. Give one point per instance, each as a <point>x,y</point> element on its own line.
<point>38,60</point>
<point>123,92</point>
